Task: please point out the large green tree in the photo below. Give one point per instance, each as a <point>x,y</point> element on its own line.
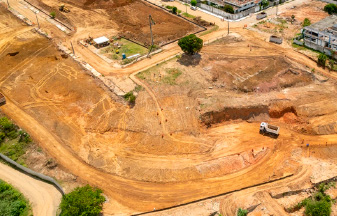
<point>190,44</point>
<point>83,201</point>
<point>330,8</point>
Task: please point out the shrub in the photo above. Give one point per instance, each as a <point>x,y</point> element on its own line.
<point>85,200</point>
<point>265,3</point>
<point>53,14</point>
<point>194,2</point>
<point>12,201</point>
<point>242,212</point>
<point>174,10</point>
<point>130,97</point>
<point>330,8</point>
<point>322,59</point>
<point>306,22</point>
<point>190,44</point>
<point>228,9</point>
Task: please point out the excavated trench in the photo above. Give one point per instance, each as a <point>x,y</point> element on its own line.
<point>258,112</point>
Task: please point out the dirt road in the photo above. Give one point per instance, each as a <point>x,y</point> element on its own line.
<point>43,197</point>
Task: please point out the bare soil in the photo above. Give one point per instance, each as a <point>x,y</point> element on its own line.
<point>127,18</point>
<point>164,151</point>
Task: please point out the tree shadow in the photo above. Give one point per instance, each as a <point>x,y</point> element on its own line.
<point>190,60</point>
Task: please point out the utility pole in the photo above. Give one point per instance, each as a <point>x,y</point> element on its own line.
<point>186,8</point>
<point>151,23</point>
<point>228,26</point>
<point>37,20</point>
<point>276,9</point>
<point>8,4</point>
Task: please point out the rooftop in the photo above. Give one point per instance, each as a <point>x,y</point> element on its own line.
<point>101,40</point>
<point>324,24</point>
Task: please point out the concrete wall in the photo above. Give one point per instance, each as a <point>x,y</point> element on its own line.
<point>228,15</point>
<point>329,1</point>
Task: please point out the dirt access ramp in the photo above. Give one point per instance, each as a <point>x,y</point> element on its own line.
<point>127,18</point>
<point>44,198</point>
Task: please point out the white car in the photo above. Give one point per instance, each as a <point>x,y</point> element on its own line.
<point>193,8</point>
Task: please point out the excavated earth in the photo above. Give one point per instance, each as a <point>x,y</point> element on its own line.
<point>123,17</point>
<point>143,161</point>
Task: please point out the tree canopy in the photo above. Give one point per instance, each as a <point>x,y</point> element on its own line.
<point>82,201</point>
<point>306,22</point>
<point>190,44</point>
<point>194,2</point>
<point>228,9</point>
<point>330,8</point>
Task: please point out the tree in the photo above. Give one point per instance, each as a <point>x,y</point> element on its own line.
<point>53,14</point>
<point>194,2</point>
<point>130,97</point>
<point>83,201</point>
<point>330,8</point>
<point>228,9</point>
<point>322,59</point>
<point>265,3</point>
<point>190,44</point>
<point>174,10</point>
<point>306,22</point>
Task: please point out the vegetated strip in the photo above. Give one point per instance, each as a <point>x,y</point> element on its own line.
<point>57,20</point>
<point>142,45</point>
<point>13,202</point>
<point>33,173</point>
<point>215,196</point>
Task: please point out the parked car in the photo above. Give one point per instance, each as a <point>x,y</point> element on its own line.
<point>193,8</point>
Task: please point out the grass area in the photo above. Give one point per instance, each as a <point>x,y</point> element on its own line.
<point>12,202</point>
<point>127,47</point>
<point>171,75</point>
<point>13,141</point>
<point>213,29</point>
<point>188,15</point>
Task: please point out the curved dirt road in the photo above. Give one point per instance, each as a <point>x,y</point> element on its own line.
<point>44,198</point>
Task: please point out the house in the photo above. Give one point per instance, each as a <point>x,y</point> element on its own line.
<point>322,36</point>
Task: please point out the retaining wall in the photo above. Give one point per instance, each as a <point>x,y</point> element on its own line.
<point>33,173</point>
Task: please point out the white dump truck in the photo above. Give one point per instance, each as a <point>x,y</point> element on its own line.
<point>268,129</point>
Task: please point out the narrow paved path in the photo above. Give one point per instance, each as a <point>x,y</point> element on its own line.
<point>44,198</point>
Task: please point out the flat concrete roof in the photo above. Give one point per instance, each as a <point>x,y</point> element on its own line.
<point>325,23</point>
<point>101,40</point>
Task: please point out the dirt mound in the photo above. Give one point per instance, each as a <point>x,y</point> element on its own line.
<point>280,108</point>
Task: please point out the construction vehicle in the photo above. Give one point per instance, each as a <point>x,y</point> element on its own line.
<point>63,8</point>
<point>267,129</point>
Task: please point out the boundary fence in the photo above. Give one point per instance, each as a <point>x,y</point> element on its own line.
<point>33,173</point>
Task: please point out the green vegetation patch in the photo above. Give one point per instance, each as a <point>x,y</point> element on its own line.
<point>85,200</point>
<point>188,15</point>
<point>171,75</point>
<point>126,46</point>
<point>12,202</point>
<point>213,29</point>
<point>13,141</point>
<point>319,204</point>
<point>242,212</point>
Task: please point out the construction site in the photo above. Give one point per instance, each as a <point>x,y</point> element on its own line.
<point>190,144</point>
